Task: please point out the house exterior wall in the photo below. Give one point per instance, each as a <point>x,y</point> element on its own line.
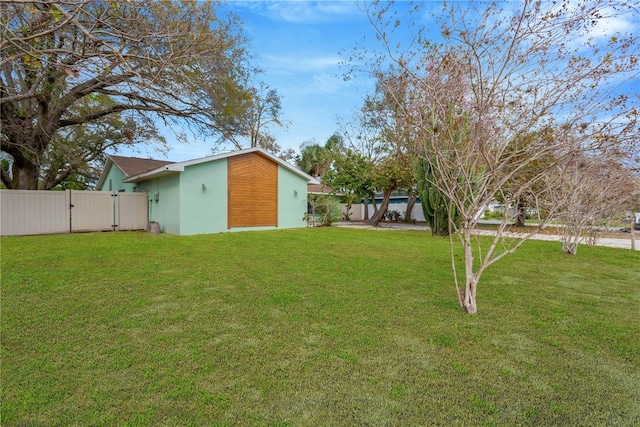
<point>292,199</point>
<point>151,187</point>
<point>116,176</point>
<point>166,210</point>
<point>184,208</point>
<point>168,204</point>
<point>204,211</point>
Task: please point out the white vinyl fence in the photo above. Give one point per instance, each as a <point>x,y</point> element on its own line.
<point>417,214</point>
<point>25,212</point>
<point>357,210</point>
<point>34,212</point>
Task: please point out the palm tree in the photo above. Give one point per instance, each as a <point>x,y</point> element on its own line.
<point>313,158</point>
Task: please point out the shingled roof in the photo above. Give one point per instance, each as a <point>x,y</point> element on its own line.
<point>318,189</point>
<point>132,166</point>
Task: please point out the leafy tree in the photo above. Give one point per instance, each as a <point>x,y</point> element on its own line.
<point>529,174</point>
<point>384,140</point>
<point>392,173</point>
<point>350,174</point>
<point>335,143</point>
<point>177,62</point>
<point>507,73</point>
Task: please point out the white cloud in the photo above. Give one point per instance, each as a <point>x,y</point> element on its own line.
<point>310,12</point>
<point>607,27</point>
<point>327,83</point>
<point>612,21</point>
<point>302,11</point>
<point>296,63</point>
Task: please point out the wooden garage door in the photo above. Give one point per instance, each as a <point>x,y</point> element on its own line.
<point>252,191</point>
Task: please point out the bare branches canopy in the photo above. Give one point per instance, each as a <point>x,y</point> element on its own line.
<point>177,62</point>
<point>513,91</point>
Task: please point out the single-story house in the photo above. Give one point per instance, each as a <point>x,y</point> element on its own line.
<point>319,189</point>
<point>248,189</point>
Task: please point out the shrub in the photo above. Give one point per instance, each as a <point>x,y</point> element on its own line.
<point>325,210</point>
<point>493,215</point>
<point>394,216</point>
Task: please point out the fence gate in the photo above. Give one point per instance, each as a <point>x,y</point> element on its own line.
<point>132,211</point>
<point>103,211</point>
<point>92,211</point>
<point>49,212</point>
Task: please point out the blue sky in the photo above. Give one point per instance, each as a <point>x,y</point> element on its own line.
<point>298,45</point>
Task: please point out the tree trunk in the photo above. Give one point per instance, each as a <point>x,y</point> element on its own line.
<point>377,217</point>
<point>571,236</point>
<point>25,175</point>
<point>467,297</point>
<point>521,213</point>
<point>347,215</point>
<point>373,202</point>
<point>411,201</point>
<point>366,208</point>
<point>633,232</point>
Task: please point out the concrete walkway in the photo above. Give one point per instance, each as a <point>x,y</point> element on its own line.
<point>604,241</point>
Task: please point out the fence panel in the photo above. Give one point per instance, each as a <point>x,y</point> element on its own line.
<point>132,211</point>
<point>24,212</point>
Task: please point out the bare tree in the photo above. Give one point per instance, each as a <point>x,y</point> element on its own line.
<point>587,191</point>
<point>176,62</point>
<point>511,85</point>
<point>257,111</point>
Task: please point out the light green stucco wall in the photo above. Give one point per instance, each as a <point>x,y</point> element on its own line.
<point>204,211</point>
<point>116,176</point>
<point>169,204</point>
<point>291,206</point>
<point>166,211</point>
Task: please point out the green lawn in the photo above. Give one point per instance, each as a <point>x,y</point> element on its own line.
<point>313,327</point>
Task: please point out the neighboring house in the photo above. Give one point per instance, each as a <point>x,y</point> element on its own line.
<point>397,197</point>
<point>242,190</point>
<point>319,189</point>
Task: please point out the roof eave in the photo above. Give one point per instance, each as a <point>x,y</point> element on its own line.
<point>156,173</point>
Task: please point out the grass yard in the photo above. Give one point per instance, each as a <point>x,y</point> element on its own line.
<point>310,327</point>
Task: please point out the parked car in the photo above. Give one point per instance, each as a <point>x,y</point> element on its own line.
<point>636,226</point>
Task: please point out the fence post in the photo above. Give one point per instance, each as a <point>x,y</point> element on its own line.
<point>70,210</point>
<point>114,196</point>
